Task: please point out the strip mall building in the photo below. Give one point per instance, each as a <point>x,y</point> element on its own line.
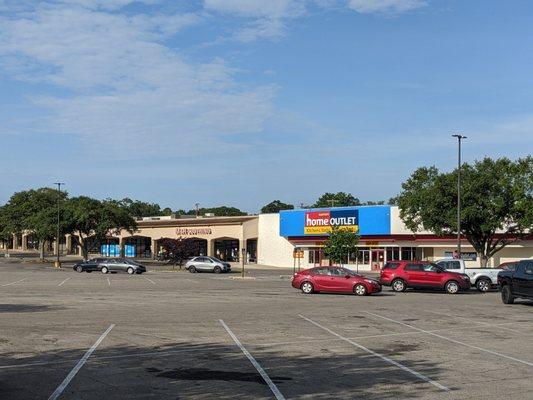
<point>276,239</point>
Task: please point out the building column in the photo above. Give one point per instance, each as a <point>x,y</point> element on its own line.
<point>210,247</point>
<point>154,249</point>
<point>68,243</point>
<point>15,242</point>
<point>242,245</point>
<point>25,242</point>
<point>122,246</point>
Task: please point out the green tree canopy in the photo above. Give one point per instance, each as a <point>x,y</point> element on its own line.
<point>339,199</point>
<point>496,205</point>
<point>275,207</point>
<point>94,218</point>
<point>222,211</point>
<point>139,209</point>
<point>340,243</point>
<point>35,210</point>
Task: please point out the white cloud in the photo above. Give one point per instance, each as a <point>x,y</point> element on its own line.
<point>269,9</point>
<point>124,88</point>
<point>385,6</point>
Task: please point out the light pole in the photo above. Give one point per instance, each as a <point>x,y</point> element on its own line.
<point>57,263</point>
<point>459,138</point>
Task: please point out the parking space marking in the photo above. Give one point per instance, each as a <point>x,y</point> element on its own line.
<point>258,367</point>
<point>12,283</point>
<point>384,358</point>
<point>61,284</point>
<point>149,280</point>
<point>475,322</point>
<point>78,366</point>
<point>108,281</point>
<point>453,340</point>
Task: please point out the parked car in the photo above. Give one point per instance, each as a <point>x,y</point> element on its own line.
<point>121,265</point>
<point>334,279</point>
<point>482,278</point>
<point>207,264</point>
<point>400,275</point>
<point>517,283</point>
<point>508,266</point>
<point>89,265</point>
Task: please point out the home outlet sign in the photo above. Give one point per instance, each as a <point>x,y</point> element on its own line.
<point>319,222</point>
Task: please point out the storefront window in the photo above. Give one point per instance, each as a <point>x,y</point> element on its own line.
<point>408,253</point>
<point>393,253</point>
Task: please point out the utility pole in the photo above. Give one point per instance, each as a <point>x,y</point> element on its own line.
<point>459,138</point>
<point>197,209</point>
<point>58,263</point>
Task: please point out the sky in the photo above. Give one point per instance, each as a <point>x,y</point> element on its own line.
<point>240,102</point>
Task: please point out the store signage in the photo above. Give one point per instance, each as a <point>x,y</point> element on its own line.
<point>320,222</point>
<point>298,254</point>
<point>372,243</point>
<point>193,231</point>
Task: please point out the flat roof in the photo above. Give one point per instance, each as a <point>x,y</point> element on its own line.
<point>234,220</point>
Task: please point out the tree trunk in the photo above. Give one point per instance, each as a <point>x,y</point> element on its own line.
<point>483,260</point>
<point>41,250</point>
<point>84,252</point>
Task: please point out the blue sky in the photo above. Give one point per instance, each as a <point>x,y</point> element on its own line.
<point>239,102</point>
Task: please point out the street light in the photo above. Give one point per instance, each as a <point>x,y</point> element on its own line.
<point>459,138</point>
<point>57,263</point>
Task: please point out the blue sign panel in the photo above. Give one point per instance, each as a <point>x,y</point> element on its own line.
<point>129,250</point>
<point>110,250</point>
<point>369,220</point>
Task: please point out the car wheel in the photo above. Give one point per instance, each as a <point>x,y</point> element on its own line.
<point>307,287</point>
<point>398,285</point>
<point>451,287</point>
<point>507,296</point>
<point>360,289</point>
<point>217,270</point>
<point>79,268</point>
<point>130,270</point>
<point>105,270</point>
<point>192,269</point>
<point>483,285</point>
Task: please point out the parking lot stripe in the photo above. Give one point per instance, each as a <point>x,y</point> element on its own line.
<point>78,366</point>
<point>469,319</point>
<point>61,284</point>
<point>12,283</point>
<point>149,280</point>
<point>453,340</point>
<point>386,359</point>
<point>258,367</point>
<point>108,281</point>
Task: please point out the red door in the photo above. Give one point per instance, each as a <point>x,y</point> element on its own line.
<point>416,276</point>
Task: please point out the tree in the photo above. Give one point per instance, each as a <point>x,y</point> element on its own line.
<point>340,243</point>
<point>339,199</point>
<point>275,207</point>
<point>139,209</point>
<point>373,203</point>
<point>179,250</point>
<point>34,211</point>
<point>222,211</point>
<point>94,218</point>
<point>496,203</point>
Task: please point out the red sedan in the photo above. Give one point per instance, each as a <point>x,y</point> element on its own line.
<point>334,279</point>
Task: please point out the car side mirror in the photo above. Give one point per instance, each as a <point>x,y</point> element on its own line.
<point>347,276</point>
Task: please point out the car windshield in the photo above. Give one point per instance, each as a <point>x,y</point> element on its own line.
<point>132,262</point>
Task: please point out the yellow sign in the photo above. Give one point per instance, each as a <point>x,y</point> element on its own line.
<point>298,254</point>
<point>372,244</point>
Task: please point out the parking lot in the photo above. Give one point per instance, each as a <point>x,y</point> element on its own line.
<point>165,335</point>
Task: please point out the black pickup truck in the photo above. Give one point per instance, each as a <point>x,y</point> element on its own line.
<point>517,283</point>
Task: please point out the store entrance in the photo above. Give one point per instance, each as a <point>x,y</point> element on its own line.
<point>377,258</point>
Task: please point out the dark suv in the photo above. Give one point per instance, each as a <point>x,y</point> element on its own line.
<point>517,283</point>
<point>401,275</point>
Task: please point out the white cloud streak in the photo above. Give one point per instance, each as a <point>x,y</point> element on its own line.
<point>122,88</point>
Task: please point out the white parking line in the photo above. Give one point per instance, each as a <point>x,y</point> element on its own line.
<point>258,367</point>
<point>12,283</point>
<point>397,364</point>
<point>78,366</point>
<point>149,280</point>
<point>470,320</point>
<point>61,284</point>
<point>108,281</point>
<point>453,340</point>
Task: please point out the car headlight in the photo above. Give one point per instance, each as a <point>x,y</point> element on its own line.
<point>371,281</point>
